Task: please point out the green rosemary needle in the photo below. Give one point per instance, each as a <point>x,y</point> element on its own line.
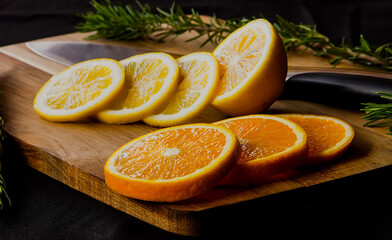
<point>379,114</point>
<point>3,192</point>
<point>365,55</point>
<point>125,22</point>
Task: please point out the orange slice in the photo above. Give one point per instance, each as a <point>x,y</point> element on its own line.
<point>253,68</point>
<point>328,137</point>
<point>269,145</point>
<point>174,163</point>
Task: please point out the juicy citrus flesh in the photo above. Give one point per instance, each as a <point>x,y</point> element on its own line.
<point>328,137</point>
<point>238,60</point>
<point>163,150</point>
<point>150,79</point>
<point>80,87</point>
<point>173,163</point>
<point>269,145</point>
<point>199,78</point>
<point>260,138</point>
<point>80,90</point>
<point>253,67</point>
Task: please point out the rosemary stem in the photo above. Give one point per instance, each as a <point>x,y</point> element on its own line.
<point>125,22</point>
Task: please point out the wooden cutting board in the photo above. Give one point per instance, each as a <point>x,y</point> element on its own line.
<point>75,153</point>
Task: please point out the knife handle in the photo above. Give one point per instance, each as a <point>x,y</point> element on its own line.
<point>337,89</point>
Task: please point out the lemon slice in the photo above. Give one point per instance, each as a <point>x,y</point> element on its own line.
<point>198,81</point>
<point>150,80</point>
<point>253,68</point>
<point>80,90</point>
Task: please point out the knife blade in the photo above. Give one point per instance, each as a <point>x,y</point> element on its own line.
<point>337,89</point>
<point>69,53</point>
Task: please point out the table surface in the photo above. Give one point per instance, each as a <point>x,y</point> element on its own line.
<point>297,63</point>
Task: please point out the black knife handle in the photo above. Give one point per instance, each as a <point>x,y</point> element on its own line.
<point>337,89</point>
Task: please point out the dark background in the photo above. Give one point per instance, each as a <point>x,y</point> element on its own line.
<point>356,207</point>
<point>31,19</point>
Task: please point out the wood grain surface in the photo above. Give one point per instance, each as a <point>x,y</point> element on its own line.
<point>75,153</point>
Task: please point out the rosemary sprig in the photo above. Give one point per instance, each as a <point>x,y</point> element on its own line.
<point>3,192</point>
<point>365,55</point>
<point>379,114</point>
<point>124,22</point>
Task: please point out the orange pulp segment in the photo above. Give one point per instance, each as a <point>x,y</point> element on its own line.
<point>174,163</point>
<point>328,137</point>
<point>269,145</point>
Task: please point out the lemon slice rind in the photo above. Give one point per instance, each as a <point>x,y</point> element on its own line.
<point>205,94</point>
<point>237,34</point>
<point>156,101</point>
<point>106,95</point>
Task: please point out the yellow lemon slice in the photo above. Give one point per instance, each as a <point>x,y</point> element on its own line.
<point>198,81</point>
<point>80,90</point>
<point>253,68</point>
<point>150,80</point>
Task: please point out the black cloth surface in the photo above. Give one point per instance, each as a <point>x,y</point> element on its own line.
<point>356,207</point>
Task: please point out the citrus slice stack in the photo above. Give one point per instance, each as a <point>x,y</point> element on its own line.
<point>80,90</point>
<point>198,81</point>
<point>150,80</point>
<point>269,145</point>
<point>174,163</point>
<point>253,67</point>
<point>328,137</point>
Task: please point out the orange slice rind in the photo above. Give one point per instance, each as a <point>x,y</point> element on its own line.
<point>174,163</point>
<point>328,137</point>
<point>269,145</point>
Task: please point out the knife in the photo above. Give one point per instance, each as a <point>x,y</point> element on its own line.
<point>68,53</point>
<point>338,89</point>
